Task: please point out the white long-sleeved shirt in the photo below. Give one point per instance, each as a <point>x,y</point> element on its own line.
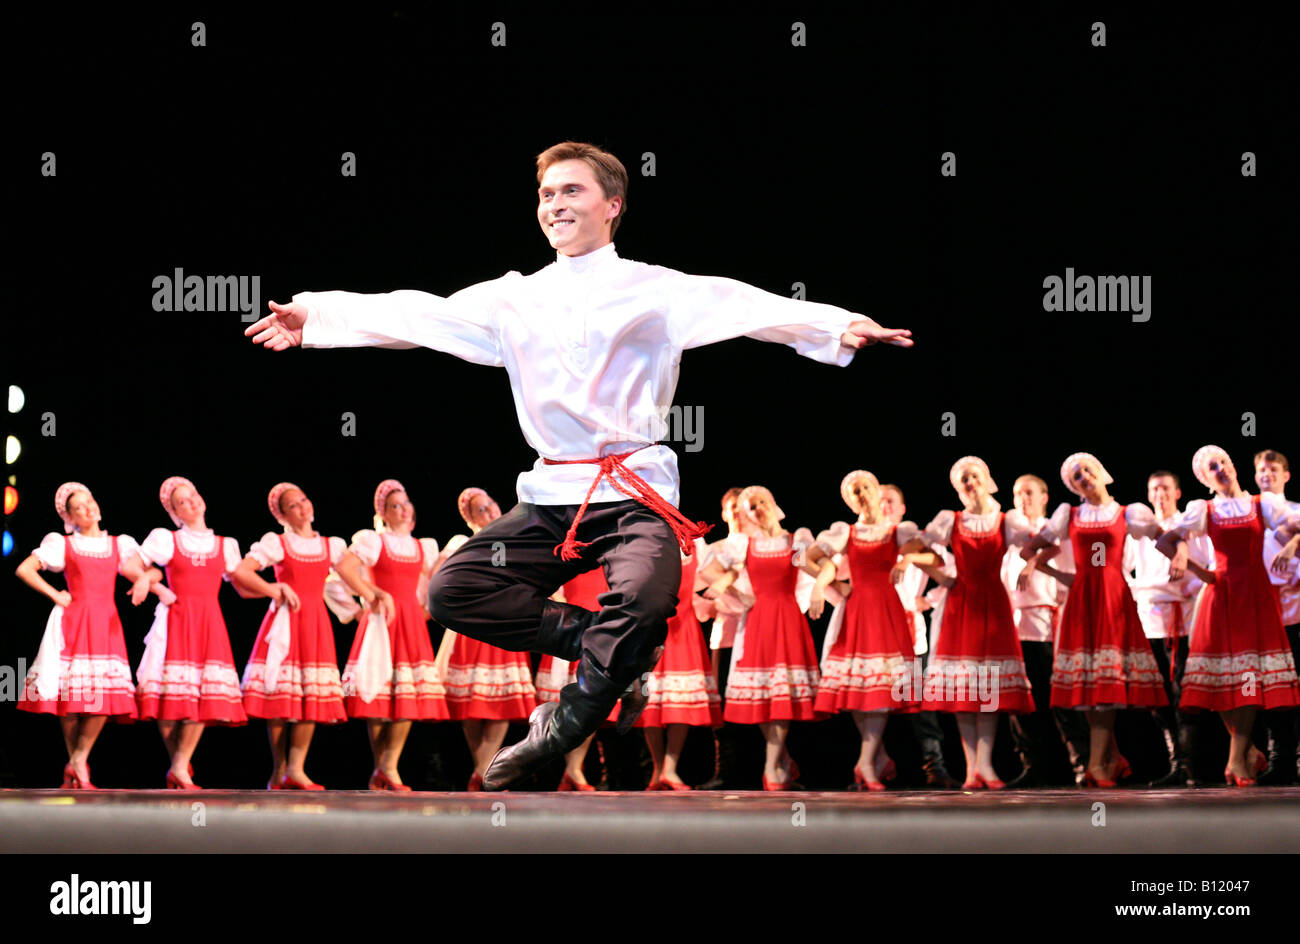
<point>592,345</point>
<point>1287,583</point>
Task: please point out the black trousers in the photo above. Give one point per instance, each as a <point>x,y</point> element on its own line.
<point>495,587</point>
<point>1173,682</point>
<point>1283,724</point>
<point>1033,733</point>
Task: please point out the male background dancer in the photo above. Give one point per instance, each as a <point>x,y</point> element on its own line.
<point>1167,609</point>
<point>1272,472</point>
<point>925,724</point>
<point>592,344</point>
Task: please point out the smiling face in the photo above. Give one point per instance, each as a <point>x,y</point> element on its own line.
<point>399,513</point>
<point>83,510</point>
<point>760,507</point>
<point>973,485</point>
<point>1030,498</point>
<point>572,208</point>
<point>891,505</point>
<point>296,508</point>
<point>867,495</point>
<point>1163,494</point>
<point>188,505</point>
<point>1271,476</point>
<point>483,511</point>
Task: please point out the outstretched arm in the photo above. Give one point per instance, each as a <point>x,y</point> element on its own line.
<point>462,324</point>
<point>705,310</point>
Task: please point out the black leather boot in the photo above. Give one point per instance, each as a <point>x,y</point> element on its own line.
<point>637,696</point>
<point>936,774</point>
<point>560,634</point>
<point>1179,775</point>
<point>1077,747</point>
<point>1028,777</point>
<point>724,760</point>
<point>1187,733</point>
<point>555,728</point>
<point>1281,768</point>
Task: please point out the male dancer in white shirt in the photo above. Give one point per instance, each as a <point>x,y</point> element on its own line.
<point>925,724</point>
<point>1167,610</point>
<point>1272,472</point>
<point>592,344</point>
<point>1037,609</point>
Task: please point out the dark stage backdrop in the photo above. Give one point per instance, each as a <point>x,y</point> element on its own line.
<point>789,145</point>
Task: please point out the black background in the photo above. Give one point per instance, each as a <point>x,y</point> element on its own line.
<point>775,165</point>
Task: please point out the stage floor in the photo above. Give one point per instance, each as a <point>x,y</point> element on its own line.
<point>1213,820</point>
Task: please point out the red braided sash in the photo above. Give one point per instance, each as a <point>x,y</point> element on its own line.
<point>684,529</point>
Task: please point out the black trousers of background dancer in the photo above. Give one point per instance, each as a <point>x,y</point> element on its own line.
<point>1035,735</point>
<point>496,587</point>
<point>1178,728</point>
<point>1284,731</point>
<point>929,739</point>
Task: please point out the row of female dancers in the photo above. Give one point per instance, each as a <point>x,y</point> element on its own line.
<point>1238,658</point>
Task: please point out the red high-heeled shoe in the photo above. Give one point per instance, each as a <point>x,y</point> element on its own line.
<point>1261,763</point>
<point>860,782</point>
<point>973,782</point>
<point>774,787</point>
<point>1234,781</point>
<point>1101,782</point>
<point>288,783</point>
<point>73,781</point>
<point>475,783</point>
<point>379,781</point>
<point>569,785</point>
<point>1122,768</point>
<point>674,785</point>
<point>174,783</point>
<point>994,784</point>
<point>889,771</point>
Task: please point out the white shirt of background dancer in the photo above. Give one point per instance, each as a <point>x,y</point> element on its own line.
<point>1154,593</point>
<point>1288,582</point>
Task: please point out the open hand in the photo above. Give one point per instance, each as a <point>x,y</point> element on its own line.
<point>281,329</point>
<point>866,331</point>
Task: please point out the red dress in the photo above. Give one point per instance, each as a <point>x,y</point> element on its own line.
<point>977,662</point>
<point>487,683</point>
<point>307,686</point>
<point>94,677</point>
<point>874,649</point>
<point>414,691</point>
<point>774,672</point>
<point>682,687</point>
<point>1102,654</point>
<point>1238,655</point>
<point>198,681</point>
<point>553,674</point>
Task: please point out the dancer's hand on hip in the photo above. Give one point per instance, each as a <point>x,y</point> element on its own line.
<point>281,329</point>
<point>866,331</point>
